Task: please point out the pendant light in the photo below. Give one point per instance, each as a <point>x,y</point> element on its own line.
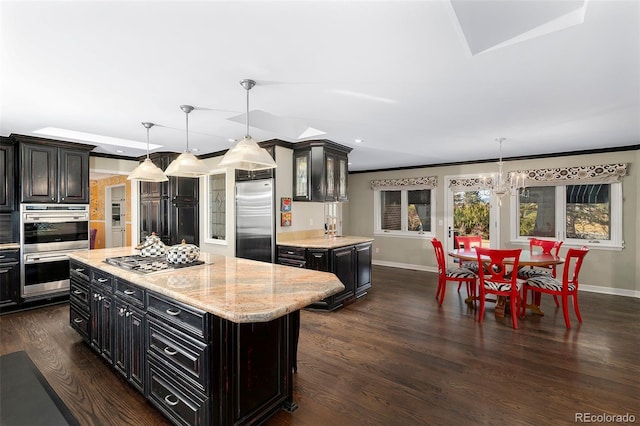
<point>186,165</point>
<point>147,171</point>
<point>247,154</point>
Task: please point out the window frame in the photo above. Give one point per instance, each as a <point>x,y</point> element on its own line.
<point>615,243</point>
<point>404,232</point>
<point>207,197</point>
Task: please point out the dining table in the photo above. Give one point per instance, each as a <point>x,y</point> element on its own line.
<point>527,258</point>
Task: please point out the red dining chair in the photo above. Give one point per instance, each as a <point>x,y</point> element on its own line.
<point>467,242</point>
<point>498,278</point>
<point>564,288</point>
<point>455,274</point>
<point>547,247</point>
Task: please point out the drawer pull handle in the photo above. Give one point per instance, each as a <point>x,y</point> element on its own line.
<point>2,257</point>
<point>79,269</point>
<point>169,401</point>
<point>173,312</point>
<point>103,280</point>
<point>129,292</point>
<point>77,292</point>
<point>170,351</point>
<point>77,320</point>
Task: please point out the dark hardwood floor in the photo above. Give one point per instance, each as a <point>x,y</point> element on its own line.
<point>395,358</point>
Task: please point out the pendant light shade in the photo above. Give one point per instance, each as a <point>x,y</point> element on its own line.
<point>247,154</point>
<point>186,165</point>
<point>147,171</point>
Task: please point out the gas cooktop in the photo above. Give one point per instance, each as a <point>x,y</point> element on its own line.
<point>147,265</point>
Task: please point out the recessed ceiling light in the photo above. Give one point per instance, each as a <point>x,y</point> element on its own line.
<point>90,137</point>
<point>195,149</point>
<point>358,140</point>
<point>119,151</point>
<point>231,140</point>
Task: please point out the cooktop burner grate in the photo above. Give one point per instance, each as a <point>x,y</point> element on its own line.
<point>147,265</point>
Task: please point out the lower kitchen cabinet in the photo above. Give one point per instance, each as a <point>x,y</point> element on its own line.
<point>128,343</point>
<point>9,277</point>
<point>351,264</point>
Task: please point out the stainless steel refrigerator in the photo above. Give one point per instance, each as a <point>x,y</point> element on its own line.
<point>255,227</point>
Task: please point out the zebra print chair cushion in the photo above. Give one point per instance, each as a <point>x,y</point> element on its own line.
<point>548,282</point>
<point>500,286</point>
<point>526,272</point>
<point>454,272</point>
<point>472,266</point>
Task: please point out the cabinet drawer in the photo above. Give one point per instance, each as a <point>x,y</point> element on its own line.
<point>10,256</point>
<point>130,292</point>
<point>78,270</point>
<point>102,279</point>
<point>298,253</point>
<point>79,292</point>
<point>79,320</point>
<point>190,319</point>
<point>189,357</point>
<point>182,405</point>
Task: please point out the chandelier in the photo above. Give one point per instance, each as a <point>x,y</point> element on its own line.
<point>502,185</point>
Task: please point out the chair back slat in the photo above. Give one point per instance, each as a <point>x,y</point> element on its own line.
<point>546,245</point>
<point>468,241</point>
<point>497,269</point>
<point>572,265</point>
<point>437,246</point>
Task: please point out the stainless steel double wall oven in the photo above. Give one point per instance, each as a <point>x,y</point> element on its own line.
<point>48,232</point>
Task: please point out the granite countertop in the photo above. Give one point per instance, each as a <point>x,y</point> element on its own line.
<point>5,246</point>
<point>235,289</point>
<point>326,241</point>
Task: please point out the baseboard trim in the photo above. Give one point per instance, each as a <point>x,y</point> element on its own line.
<point>583,287</point>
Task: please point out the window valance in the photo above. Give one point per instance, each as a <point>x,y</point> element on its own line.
<point>470,184</point>
<point>603,173</point>
<point>424,182</point>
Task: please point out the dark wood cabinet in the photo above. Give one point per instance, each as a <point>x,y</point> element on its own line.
<point>363,268</point>
<point>170,209</point>
<point>320,171</point>
<point>7,173</point>
<point>101,310</point>
<point>351,264</point>
<point>343,265</point>
<point>53,171</point>
<point>9,277</point>
<point>128,342</point>
<point>242,175</point>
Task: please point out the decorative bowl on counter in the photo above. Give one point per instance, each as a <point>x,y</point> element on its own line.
<point>152,246</point>
<point>183,253</point>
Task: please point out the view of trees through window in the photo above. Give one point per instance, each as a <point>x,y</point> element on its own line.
<point>471,213</point>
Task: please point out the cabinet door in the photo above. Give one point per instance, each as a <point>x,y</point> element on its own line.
<point>343,175</point>
<point>74,176</point>
<point>9,283</point>
<point>330,175</point>
<point>108,316</point>
<point>363,268</point>
<point>343,262</point>
<point>136,347</point>
<point>302,175</point>
<point>7,199</point>
<point>120,338</point>
<point>183,224</point>
<point>153,218</point>
<point>39,173</point>
<point>318,259</point>
<point>183,189</point>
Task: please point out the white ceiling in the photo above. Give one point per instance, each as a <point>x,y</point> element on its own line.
<point>421,82</point>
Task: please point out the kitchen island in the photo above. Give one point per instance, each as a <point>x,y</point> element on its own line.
<point>207,344</point>
<point>349,257</point>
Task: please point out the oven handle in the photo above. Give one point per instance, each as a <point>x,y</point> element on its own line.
<point>55,218</point>
<point>42,258</point>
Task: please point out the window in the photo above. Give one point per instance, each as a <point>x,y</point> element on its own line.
<point>216,225</point>
<point>578,214</point>
<point>407,212</point>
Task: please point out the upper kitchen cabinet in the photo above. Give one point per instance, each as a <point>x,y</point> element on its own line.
<point>53,171</point>
<point>320,171</point>
<point>7,171</point>
<point>241,175</point>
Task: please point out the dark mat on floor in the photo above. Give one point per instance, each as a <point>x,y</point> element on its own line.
<point>25,396</point>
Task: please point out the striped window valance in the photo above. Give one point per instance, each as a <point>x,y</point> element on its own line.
<point>424,182</point>
<point>602,173</point>
<point>470,184</point>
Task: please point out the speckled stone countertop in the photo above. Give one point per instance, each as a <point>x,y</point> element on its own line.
<point>238,290</point>
<point>5,246</point>
<point>325,242</point>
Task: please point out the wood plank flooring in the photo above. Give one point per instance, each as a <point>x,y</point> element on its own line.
<point>394,358</point>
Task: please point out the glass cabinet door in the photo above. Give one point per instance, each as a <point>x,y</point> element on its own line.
<point>301,176</point>
<point>342,179</point>
<point>330,170</point>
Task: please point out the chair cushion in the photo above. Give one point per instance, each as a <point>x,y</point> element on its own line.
<point>525,272</point>
<point>454,272</point>
<point>470,265</point>
<point>500,286</point>
<point>548,283</point>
